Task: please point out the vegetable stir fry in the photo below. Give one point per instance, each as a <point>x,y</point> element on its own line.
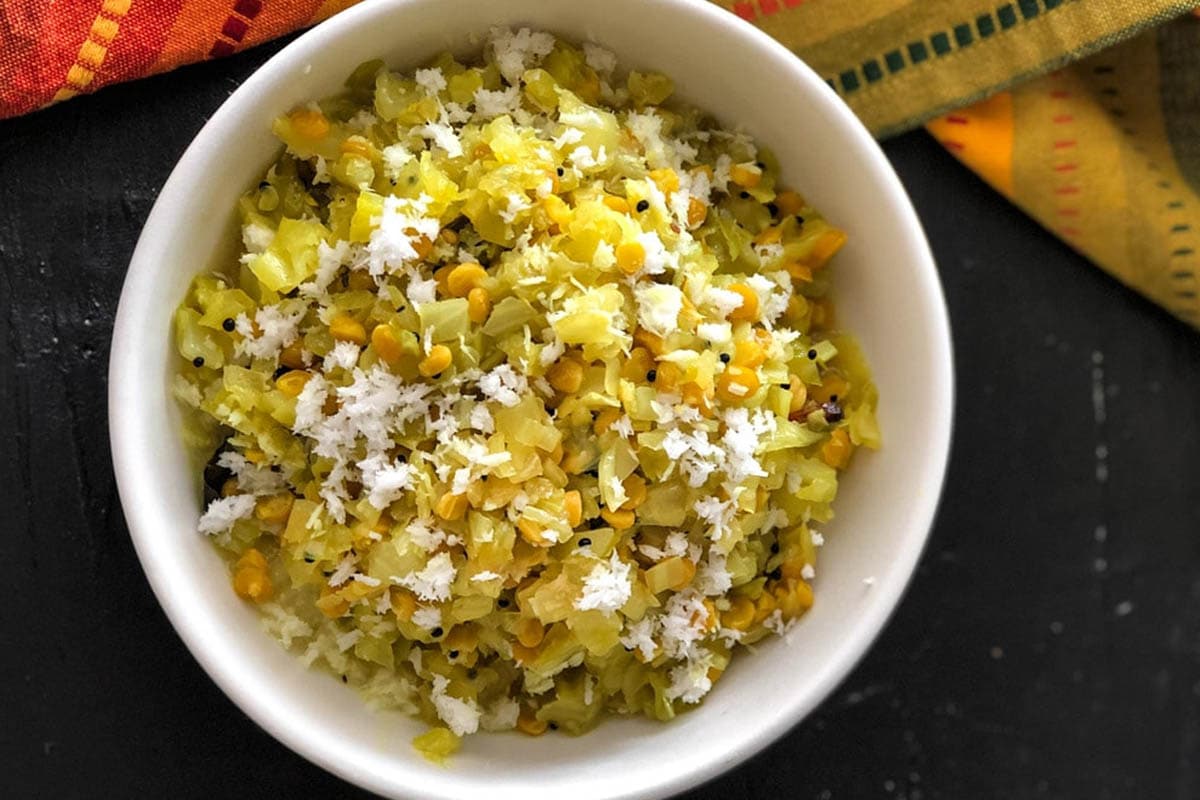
<point>525,398</point>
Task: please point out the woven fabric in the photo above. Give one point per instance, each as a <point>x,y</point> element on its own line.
<point>1085,113</point>
<point>1106,155</point>
<point>53,51</point>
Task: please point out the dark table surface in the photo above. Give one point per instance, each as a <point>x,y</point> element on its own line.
<point>1049,645</point>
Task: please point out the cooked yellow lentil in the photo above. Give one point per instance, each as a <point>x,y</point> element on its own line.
<point>525,395</point>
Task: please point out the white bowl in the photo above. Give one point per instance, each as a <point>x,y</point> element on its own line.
<point>888,294</point>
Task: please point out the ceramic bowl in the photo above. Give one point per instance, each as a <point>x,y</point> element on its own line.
<point>888,294</point>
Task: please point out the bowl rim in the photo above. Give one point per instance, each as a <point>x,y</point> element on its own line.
<point>129,467</point>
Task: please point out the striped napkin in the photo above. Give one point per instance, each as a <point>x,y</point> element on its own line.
<point>1085,113</point>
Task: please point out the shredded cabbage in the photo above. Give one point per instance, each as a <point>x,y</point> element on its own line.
<point>528,392</point>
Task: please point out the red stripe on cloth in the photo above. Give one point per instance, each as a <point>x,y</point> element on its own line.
<point>768,7</point>
<point>277,18</point>
<point>196,33</point>
<point>248,8</point>
<point>40,43</point>
<point>220,49</point>
<point>142,36</point>
<point>745,11</point>
<point>235,28</point>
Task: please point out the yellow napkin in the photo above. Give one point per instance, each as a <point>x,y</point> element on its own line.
<point>1085,113</point>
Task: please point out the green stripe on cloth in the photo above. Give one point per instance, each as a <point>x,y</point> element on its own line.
<point>1179,49</point>
<point>900,62</point>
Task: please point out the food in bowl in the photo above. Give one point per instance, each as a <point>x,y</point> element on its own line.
<point>526,395</point>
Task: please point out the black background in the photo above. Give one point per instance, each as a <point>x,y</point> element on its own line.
<point>1049,645</point>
